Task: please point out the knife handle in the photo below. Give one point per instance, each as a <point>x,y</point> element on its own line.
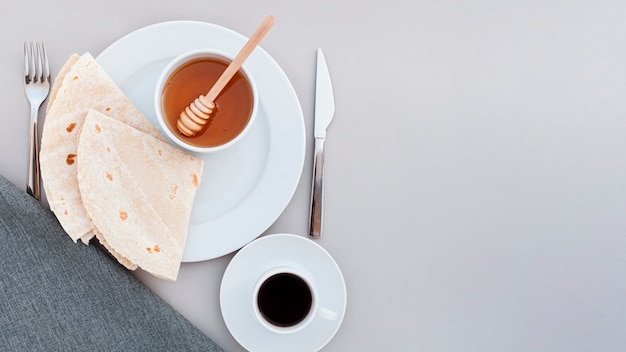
<point>317,190</point>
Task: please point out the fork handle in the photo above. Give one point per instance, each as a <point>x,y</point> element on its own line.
<point>32,187</point>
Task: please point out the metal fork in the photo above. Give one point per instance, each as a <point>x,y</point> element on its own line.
<point>37,87</point>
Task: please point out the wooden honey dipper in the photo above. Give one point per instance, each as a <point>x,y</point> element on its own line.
<point>195,116</point>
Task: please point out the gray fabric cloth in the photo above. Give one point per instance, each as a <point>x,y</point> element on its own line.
<point>56,295</point>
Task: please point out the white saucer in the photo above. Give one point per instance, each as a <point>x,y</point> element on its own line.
<point>257,257</point>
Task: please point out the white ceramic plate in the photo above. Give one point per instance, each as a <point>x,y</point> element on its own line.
<point>256,258</point>
<point>244,189</point>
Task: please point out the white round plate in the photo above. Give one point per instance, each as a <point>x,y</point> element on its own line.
<point>244,189</point>
<point>256,258</point>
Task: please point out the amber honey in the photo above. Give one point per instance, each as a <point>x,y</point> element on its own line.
<point>233,105</point>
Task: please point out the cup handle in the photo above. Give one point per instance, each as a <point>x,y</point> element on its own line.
<point>326,314</point>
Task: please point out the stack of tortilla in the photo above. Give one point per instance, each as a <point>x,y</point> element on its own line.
<point>107,172</point>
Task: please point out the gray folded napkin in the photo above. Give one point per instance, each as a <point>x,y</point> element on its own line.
<point>58,296</point>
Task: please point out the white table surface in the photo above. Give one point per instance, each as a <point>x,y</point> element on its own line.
<point>475,169</point>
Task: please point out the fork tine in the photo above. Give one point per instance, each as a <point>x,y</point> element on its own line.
<point>26,72</point>
<point>46,65</point>
<point>32,62</point>
<point>29,66</point>
<point>38,63</point>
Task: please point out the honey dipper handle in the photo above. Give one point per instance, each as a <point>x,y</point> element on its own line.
<point>243,54</point>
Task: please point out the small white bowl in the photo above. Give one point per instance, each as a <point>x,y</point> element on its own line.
<point>174,65</point>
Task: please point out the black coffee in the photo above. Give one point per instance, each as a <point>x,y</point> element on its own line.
<point>284,299</point>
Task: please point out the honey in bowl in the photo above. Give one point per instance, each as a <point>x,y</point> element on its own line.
<point>234,105</point>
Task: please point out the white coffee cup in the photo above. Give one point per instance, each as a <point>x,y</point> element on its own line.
<point>275,306</point>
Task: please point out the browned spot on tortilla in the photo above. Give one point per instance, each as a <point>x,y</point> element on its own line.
<point>108,150</point>
<point>70,127</point>
<point>123,215</point>
<point>107,109</point>
<point>174,189</point>
<point>154,249</point>
<point>160,152</point>
<point>66,212</point>
<point>98,129</point>
<point>70,160</point>
<point>194,179</point>
<point>109,176</point>
<point>75,77</point>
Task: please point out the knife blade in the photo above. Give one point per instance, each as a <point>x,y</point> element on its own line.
<point>324,112</point>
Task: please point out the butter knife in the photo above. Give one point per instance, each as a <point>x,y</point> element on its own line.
<point>324,112</point>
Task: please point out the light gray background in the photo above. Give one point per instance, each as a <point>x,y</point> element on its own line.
<point>476,174</point>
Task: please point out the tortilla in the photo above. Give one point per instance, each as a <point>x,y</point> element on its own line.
<point>138,192</point>
<point>67,66</point>
<point>120,258</point>
<point>81,85</point>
